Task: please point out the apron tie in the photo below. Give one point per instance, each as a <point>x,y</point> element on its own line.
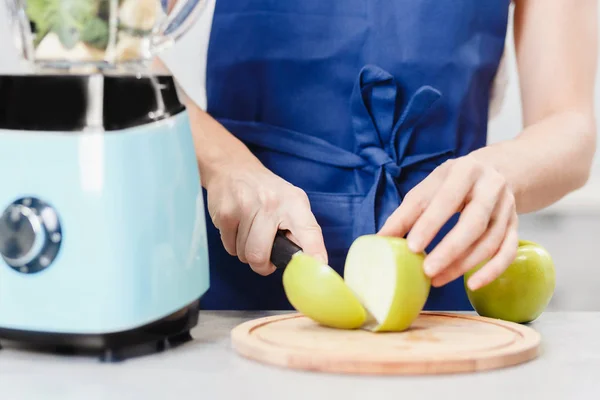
<point>382,141</point>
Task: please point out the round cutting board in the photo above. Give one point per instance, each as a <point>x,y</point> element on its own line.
<point>436,343</point>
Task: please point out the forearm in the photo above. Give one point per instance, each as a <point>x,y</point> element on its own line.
<point>556,50</point>
<point>216,148</point>
<point>548,160</point>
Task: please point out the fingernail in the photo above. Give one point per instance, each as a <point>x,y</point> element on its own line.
<point>431,267</point>
<point>474,284</point>
<point>414,244</point>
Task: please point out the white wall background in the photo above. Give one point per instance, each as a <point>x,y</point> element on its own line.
<point>187,61</point>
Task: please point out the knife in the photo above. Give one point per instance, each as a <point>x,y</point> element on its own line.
<point>283,250</point>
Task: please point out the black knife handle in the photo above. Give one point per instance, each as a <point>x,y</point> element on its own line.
<point>283,250</point>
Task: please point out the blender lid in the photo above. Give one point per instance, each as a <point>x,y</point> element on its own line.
<point>63,102</point>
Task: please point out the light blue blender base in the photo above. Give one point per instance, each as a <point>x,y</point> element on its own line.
<point>130,205</point>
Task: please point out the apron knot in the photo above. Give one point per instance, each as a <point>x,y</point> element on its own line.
<point>383,132</point>
<point>379,157</point>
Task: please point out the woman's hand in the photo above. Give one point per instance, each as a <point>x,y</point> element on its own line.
<point>486,230</point>
<point>248,204</point>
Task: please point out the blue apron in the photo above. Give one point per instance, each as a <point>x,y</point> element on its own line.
<point>354,101</point>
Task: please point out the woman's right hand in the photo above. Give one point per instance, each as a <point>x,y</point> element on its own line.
<point>248,204</point>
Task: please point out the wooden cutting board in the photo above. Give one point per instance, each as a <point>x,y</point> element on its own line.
<point>436,343</point>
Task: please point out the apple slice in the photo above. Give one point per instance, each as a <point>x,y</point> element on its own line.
<point>388,280</point>
<point>319,292</point>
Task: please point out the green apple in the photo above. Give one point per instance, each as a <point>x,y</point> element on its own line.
<point>522,292</point>
<point>384,287</point>
<point>388,280</point>
<point>319,292</point>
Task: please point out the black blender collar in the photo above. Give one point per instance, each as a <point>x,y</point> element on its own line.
<point>64,102</point>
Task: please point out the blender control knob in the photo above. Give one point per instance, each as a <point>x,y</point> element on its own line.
<point>30,235</point>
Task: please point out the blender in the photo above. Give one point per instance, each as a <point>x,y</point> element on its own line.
<point>102,227</point>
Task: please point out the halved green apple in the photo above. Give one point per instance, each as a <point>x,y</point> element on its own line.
<point>384,287</point>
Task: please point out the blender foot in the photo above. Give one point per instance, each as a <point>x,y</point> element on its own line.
<point>65,350</point>
<point>179,339</point>
<point>124,353</point>
<point>162,345</point>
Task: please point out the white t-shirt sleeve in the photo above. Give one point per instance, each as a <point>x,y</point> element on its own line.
<point>187,58</point>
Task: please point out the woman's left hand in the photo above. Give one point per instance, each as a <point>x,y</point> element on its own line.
<point>486,229</point>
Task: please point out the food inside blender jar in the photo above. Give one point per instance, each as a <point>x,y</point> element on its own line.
<point>92,30</point>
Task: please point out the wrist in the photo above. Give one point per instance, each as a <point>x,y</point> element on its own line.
<point>547,160</point>
<point>504,158</point>
<point>225,165</point>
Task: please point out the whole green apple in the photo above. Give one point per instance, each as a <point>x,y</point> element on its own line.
<point>522,292</point>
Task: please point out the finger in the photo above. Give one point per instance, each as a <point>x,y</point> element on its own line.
<point>228,237</point>
<point>473,222</point>
<point>412,206</point>
<point>447,201</point>
<point>260,242</point>
<point>304,227</point>
<point>403,217</point>
<point>503,258</point>
<point>243,231</point>
<point>321,256</point>
<point>226,219</point>
<point>484,248</point>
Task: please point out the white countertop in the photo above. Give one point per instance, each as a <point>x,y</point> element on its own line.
<point>207,368</point>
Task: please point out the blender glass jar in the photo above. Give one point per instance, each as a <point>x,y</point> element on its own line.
<point>98,34</point>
